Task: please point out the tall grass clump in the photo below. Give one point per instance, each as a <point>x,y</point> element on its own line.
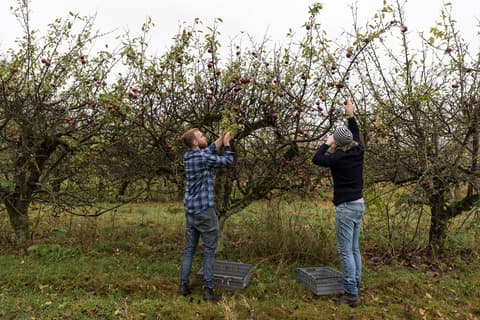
<point>276,230</point>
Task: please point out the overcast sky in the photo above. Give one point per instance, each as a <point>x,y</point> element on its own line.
<point>256,17</point>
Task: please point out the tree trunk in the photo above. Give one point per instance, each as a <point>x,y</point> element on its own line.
<point>123,189</point>
<point>18,213</point>
<point>438,223</point>
<point>472,185</point>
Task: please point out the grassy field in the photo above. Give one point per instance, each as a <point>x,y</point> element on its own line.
<point>126,266</point>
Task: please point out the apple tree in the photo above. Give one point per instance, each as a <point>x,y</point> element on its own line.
<point>54,108</point>
<point>422,110</point>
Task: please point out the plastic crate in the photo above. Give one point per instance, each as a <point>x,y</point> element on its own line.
<point>229,275</point>
<point>321,280</point>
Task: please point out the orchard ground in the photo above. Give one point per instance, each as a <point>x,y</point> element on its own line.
<point>125,265</point>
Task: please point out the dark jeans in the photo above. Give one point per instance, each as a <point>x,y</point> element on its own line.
<point>203,225</point>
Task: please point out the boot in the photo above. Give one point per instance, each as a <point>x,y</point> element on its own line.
<point>210,295</point>
<point>352,300</point>
<point>184,290</point>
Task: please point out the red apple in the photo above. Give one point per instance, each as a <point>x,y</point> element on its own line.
<point>455,85</point>
<point>46,62</point>
<point>274,116</point>
<point>308,27</point>
<point>349,53</point>
<point>403,28</point>
<point>280,93</point>
<point>245,80</point>
<point>448,50</point>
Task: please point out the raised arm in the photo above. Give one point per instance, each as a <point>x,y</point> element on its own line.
<point>215,161</point>
<point>321,158</point>
<point>352,123</point>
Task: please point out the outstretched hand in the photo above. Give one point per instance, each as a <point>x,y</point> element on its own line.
<point>348,108</point>
<point>219,141</point>
<point>226,139</point>
<point>330,140</point>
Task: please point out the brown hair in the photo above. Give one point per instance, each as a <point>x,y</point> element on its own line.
<point>334,148</point>
<point>189,136</point>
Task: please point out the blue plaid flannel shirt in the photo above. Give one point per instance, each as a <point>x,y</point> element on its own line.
<point>199,192</point>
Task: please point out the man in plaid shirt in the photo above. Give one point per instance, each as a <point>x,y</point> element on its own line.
<point>199,203</point>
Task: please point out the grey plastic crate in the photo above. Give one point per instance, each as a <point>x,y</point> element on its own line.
<point>321,280</point>
<point>229,275</point>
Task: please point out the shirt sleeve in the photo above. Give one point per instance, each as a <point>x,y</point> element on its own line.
<point>353,127</point>
<point>219,161</point>
<point>211,149</point>
<point>322,159</point>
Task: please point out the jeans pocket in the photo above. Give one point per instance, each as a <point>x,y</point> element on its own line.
<point>206,221</point>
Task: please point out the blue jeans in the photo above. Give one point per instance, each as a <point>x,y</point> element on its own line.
<point>202,225</point>
<point>348,222</point>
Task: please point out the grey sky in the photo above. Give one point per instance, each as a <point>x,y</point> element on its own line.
<point>255,17</point>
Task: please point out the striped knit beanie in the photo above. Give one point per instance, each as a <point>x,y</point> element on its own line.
<point>342,136</point>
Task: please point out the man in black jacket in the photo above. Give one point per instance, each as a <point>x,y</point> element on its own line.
<point>343,153</point>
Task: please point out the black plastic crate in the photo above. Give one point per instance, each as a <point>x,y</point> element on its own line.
<point>321,280</point>
<point>229,275</point>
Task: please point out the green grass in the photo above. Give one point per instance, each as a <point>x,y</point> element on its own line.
<point>126,266</point>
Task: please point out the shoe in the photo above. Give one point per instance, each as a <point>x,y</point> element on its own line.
<point>210,295</point>
<point>184,290</point>
<point>353,300</point>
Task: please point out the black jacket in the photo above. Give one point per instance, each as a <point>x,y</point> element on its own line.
<point>346,168</point>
